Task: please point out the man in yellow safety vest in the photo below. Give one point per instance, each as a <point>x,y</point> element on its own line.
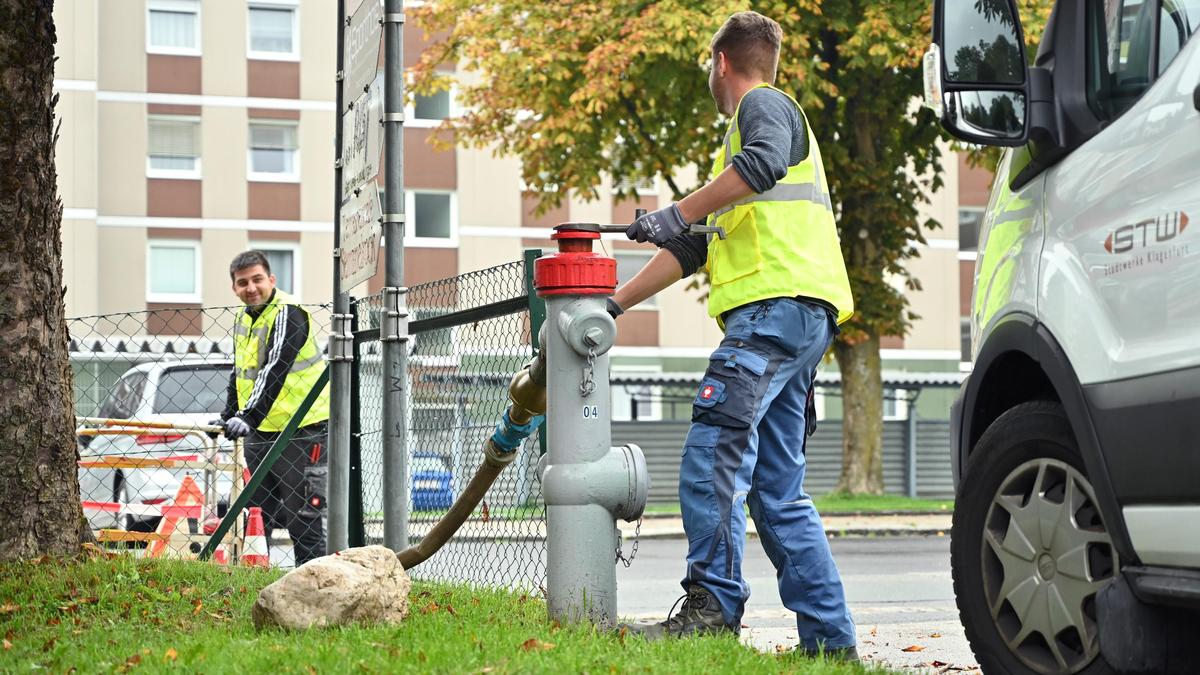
<point>276,362</point>
<point>779,289</point>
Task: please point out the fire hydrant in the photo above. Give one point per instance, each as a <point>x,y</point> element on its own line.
<point>587,483</point>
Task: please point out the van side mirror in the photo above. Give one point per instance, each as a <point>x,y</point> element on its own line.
<point>976,77</point>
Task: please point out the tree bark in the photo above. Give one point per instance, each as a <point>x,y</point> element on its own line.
<point>39,488</point>
<point>862,416</point>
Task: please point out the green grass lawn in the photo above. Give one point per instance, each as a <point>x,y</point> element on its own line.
<point>847,504</point>
<point>124,614</point>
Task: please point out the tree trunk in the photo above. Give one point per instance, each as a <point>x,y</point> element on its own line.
<point>862,416</point>
<point>39,487</point>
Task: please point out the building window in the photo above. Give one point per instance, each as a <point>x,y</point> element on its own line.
<point>432,216</point>
<point>173,271</point>
<point>174,147</point>
<point>283,259</point>
<point>433,107</point>
<point>965,338</point>
<point>969,220</point>
<point>272,33</point>
<point>173,27</point>
<point>637,402</point>
<point>630,263</point>
<point>273,155</point>
<point>644,187</point>
<point>895,404</point>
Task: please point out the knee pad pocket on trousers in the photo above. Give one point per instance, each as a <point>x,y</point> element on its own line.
<point>315,482</point>
<point>728,394</point>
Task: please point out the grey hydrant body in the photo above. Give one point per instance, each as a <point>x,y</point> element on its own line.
<point>587,483</point>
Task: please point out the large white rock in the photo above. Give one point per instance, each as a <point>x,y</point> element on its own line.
<point>356,586</point>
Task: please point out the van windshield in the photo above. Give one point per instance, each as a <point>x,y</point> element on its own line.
<point>192,390</point>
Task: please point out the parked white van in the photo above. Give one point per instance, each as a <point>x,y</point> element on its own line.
<point>1076,538</point>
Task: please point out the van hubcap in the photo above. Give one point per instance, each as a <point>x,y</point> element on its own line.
<point>1045,555</point>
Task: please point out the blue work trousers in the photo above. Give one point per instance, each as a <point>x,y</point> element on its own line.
<point>746,445</point>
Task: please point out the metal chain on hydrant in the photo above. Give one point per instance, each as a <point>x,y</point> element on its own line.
<point>637,533</point>
<point>588,385</point>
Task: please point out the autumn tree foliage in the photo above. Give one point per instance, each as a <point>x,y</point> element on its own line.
<point>580,89</point>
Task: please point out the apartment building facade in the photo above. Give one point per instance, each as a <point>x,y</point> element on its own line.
<point>195,129</point>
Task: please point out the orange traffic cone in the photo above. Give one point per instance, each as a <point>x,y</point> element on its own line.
<point>256,541</point>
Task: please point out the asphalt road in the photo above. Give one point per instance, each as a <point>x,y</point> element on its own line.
<point>899,590</point>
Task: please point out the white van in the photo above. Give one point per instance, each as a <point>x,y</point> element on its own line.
<point>1076,538</point>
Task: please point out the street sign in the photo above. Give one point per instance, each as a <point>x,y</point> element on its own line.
<point>361,230</point>
<point>361,135</point>
<point>361,58</point>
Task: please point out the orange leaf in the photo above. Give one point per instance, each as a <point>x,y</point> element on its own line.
<point>196,607</point>
<point>913,648</point>
<point>533,644</point>
<point>8,608</point>
<point>171,654</point>
<point>7,645</point>
<point>935,635</point>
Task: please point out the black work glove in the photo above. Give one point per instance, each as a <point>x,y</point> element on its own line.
<point>218,422</point>
<point>614,310</point>
<point>657,226</point>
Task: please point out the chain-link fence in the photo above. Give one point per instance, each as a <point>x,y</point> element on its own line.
<point>146,383</point>
<point>469,335</point>
<point>153,483</point>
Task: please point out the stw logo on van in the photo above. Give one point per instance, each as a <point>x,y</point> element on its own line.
<point>1146,233</point>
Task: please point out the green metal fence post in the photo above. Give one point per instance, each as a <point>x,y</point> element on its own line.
<point>273,454</point>
<point>537,317</point>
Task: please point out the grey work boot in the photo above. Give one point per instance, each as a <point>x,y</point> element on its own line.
<point>843,654</point>
<point>699,615</point>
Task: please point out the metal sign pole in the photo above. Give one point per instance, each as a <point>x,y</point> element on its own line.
<point>339,387</point>
<point>395,345</point>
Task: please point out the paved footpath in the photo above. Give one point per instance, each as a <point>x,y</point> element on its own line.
<point>899,590</point>
<point>657,526</point>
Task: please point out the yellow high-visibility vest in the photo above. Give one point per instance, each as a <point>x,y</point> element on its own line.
<point>781,243</point>
<point>252,336</point>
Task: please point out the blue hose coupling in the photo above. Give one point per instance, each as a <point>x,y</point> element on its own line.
<point>508,436</point>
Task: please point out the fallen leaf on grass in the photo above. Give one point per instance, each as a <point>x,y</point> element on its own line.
<point>430,608</point>
<point>8,608</point>
<point>7,645</point>
<point>913,648</point>
<point>196,607</point>
<point>781,648</point>
<point>171,654</point>
<point>450,608</point>
<point>534,644</point>
<point>93,551</point>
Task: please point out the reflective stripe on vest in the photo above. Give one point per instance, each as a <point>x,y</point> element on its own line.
<point>780,243</point>
<point>252,337</point>
<point>252,373</point>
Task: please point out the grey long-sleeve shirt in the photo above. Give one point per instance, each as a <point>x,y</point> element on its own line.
<point>773,139</point>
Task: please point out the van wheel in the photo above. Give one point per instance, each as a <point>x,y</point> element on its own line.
<point>1028,549</point>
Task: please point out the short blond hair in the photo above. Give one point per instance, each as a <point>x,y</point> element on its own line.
<point>751,43</point>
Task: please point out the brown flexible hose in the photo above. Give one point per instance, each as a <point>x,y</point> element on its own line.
<point>528,394</point>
